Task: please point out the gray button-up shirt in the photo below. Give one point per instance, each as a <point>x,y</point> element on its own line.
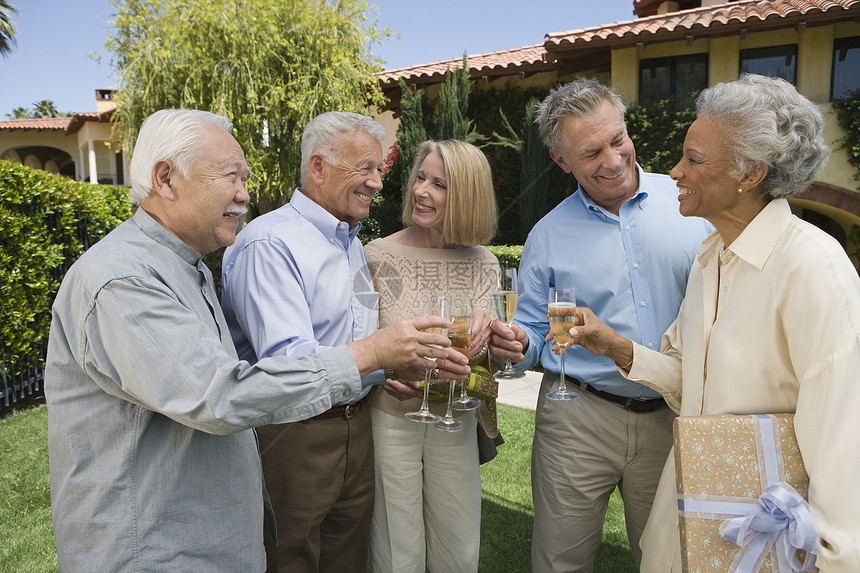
<point>153,466</point>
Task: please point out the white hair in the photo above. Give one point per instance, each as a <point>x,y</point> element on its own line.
<point>323,131</point>
<point>173,135</point>
<point>770,124</point>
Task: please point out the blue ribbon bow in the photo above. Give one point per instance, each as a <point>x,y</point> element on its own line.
<point>782,517</point>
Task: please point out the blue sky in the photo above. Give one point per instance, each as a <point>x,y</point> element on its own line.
<point>56,37</point>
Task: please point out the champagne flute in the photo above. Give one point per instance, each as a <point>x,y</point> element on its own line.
<point>460,334</point>
<point>424,415</point>
<point>562,316</point>
<point>505,298</point>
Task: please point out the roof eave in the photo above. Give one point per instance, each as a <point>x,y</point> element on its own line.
<point>562,48</point>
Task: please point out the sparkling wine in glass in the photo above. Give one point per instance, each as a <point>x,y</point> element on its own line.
<point>460,335</point>
<point>561,309</point>
<point>505,299</point>
<point>441,308</point>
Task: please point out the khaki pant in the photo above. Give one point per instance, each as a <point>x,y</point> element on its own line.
<point>319,474</point>
<point>582,450</point>
<point>428,495</point>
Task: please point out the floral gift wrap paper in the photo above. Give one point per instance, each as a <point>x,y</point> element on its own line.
<point>738,476</point>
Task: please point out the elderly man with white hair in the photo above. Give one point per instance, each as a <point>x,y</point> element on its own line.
<point>153,462</point>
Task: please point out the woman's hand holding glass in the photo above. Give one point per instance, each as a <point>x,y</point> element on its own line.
<point>599,338</point>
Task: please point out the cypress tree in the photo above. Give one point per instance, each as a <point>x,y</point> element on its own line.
<point>453,104</point>
<point>411,132</point>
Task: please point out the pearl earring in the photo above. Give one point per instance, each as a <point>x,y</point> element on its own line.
<point>740,190</point>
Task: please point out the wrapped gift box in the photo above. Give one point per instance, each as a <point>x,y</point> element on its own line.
<point>723,464</point>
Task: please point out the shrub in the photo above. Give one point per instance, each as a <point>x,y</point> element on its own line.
<point>848,117</point>
<point>658,133</point>
<point>46,222</point>
<point>508,255</point>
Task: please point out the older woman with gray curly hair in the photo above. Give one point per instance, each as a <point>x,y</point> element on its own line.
<point>770,322</point>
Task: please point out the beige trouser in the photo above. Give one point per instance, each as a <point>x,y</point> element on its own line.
<point>582,450</point>
<point>428,497</point>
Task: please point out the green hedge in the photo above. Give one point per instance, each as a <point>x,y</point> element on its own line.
<point>46,222</point>
<point>508,255</point>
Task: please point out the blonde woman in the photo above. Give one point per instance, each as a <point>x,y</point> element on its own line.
<point>427,511</point>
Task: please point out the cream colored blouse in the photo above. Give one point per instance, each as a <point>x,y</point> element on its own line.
<point>770,325</point>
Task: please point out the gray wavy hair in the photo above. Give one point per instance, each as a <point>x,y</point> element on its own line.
<point>579,98</point>
<point>322,132</point>
<point>771,124</point>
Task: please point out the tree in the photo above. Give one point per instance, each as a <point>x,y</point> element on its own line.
<point>411,131</point>
<point>8,30</point>
<point>268,66</point>
<point>20,113</point>
<point>535,164</point>
<point>45,108</point>
<point>453,104</point>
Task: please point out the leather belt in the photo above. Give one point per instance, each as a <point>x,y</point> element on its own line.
<point>635,405</point>
<point>345,411</point>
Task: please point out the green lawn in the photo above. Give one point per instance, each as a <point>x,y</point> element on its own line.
<point>25,503</point>
<point>25,494</point>
<point>506,515</point>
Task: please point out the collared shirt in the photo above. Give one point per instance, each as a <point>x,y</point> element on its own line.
<point>152,464</point>
<point>771,325</point>
<point>631,269</point>
<point>296,283</point>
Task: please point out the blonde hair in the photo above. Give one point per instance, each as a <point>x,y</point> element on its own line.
<point>471,215</point>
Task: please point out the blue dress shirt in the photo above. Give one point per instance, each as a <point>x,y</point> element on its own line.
<point>631,269</point>
<point>295,282</point>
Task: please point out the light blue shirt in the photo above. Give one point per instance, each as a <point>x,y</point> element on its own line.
<point>296,283</point>
<point>631,269</point>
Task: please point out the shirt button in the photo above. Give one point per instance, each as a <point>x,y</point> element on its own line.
<point>642,303</point>
<point>635,265</point>
<point>627,227</point>
<point>650,345</point>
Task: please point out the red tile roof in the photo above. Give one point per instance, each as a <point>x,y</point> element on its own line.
<point>68,124</point>
<point>709,20</point>
<point>503,62</point>
<point>79,118</point>
<point>40,124</point>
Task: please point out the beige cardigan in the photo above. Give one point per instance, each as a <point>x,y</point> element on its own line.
<point>403,274</point>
